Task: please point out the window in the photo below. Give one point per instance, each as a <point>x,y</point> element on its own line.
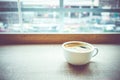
<point>57,21</point>
<point>60,16</point>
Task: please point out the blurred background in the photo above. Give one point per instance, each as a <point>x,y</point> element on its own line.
<point>60,16</point>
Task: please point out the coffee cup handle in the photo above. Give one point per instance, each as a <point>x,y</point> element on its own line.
<point>95,52</point>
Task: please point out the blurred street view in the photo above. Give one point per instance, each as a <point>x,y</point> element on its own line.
<point>60,16</point>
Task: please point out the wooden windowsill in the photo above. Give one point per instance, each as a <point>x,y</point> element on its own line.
<point>58,38</point>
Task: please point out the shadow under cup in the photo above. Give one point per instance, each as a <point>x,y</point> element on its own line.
<point>78,53</point>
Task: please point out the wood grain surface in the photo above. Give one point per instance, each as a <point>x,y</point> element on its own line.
<point>46,62</point>
<point>58,38</point>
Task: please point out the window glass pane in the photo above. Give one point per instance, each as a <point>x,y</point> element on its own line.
<point>8,16</point>
<point>60,16</point>
<point>9,21</point>
<point>40,3</point>
<point>40,21</point>
<point>91,22</point>
<point>109,4</point>
<point>80,3</point>
<point>104,4</point>
<point>37,18</point>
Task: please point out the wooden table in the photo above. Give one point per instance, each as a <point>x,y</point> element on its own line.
<point>46,62</point>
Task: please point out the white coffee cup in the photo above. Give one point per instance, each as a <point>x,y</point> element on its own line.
<point>78,52</point>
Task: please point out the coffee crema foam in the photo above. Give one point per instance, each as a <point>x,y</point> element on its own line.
<point>79,47</point>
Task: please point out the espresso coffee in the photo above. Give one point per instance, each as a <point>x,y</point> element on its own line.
<point>80,47</point>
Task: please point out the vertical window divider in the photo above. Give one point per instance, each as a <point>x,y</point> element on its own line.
<point>61,13</point>
<point>20,15</point>
<point>91,13</point>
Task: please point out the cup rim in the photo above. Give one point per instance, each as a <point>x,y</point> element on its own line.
<point>92,47</point>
